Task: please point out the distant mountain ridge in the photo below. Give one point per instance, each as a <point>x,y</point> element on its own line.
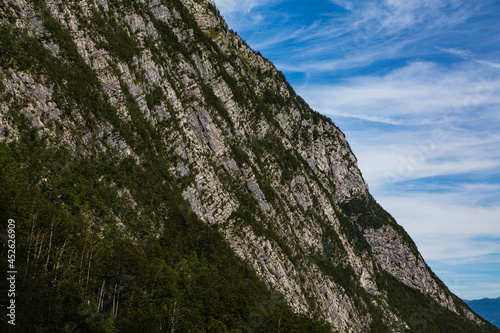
<point>488,308</point>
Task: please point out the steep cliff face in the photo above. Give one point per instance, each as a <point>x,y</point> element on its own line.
<point>163,92</point>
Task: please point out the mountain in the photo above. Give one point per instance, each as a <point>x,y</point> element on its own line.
<point>488,308</point>
<point>164,177</point>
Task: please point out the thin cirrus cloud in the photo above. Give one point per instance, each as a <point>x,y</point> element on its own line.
<point>229,7</point>
<point>391,170</point>
<point>367,32</point>
<point>415,85</point>
<point>421,93</point>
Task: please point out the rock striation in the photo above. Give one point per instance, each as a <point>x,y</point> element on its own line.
<point>253,161</point>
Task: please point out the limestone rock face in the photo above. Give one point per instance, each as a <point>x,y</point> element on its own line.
<point>251,158</point>
<point>401,261</point>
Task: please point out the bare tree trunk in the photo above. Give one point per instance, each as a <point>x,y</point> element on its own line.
<point>81,261</point>
<point>58,256</point>
<point>117,302</point>
<point>88,272</point>
<point>174,317</point>
<point>61,251</point>
<point>50,243</point>
<point>39,252</point>
<point>92,249</point>
<point>30,238</point>
<point>100,299</point>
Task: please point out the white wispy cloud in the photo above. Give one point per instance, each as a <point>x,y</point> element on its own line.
<point>466,54</point>
<point>418,93</point>
<point>229,7</point>
<point>489,63</point>
<point>444,215</point>
<point>344,4</point>
<point>245,14</point>
<point>471,287</point>
<point>369,32</point>
<point>392,158</point>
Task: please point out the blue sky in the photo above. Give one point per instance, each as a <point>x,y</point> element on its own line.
<point>415,86</point>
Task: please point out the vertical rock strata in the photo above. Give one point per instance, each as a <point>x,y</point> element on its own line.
<point>252,159</point>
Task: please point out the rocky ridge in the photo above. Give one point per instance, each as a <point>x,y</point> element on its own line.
<point>251,158</point>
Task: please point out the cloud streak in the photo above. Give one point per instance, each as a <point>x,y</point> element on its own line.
<point>368,32</point>
<point>231,7</point>
<point>418,93</point>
